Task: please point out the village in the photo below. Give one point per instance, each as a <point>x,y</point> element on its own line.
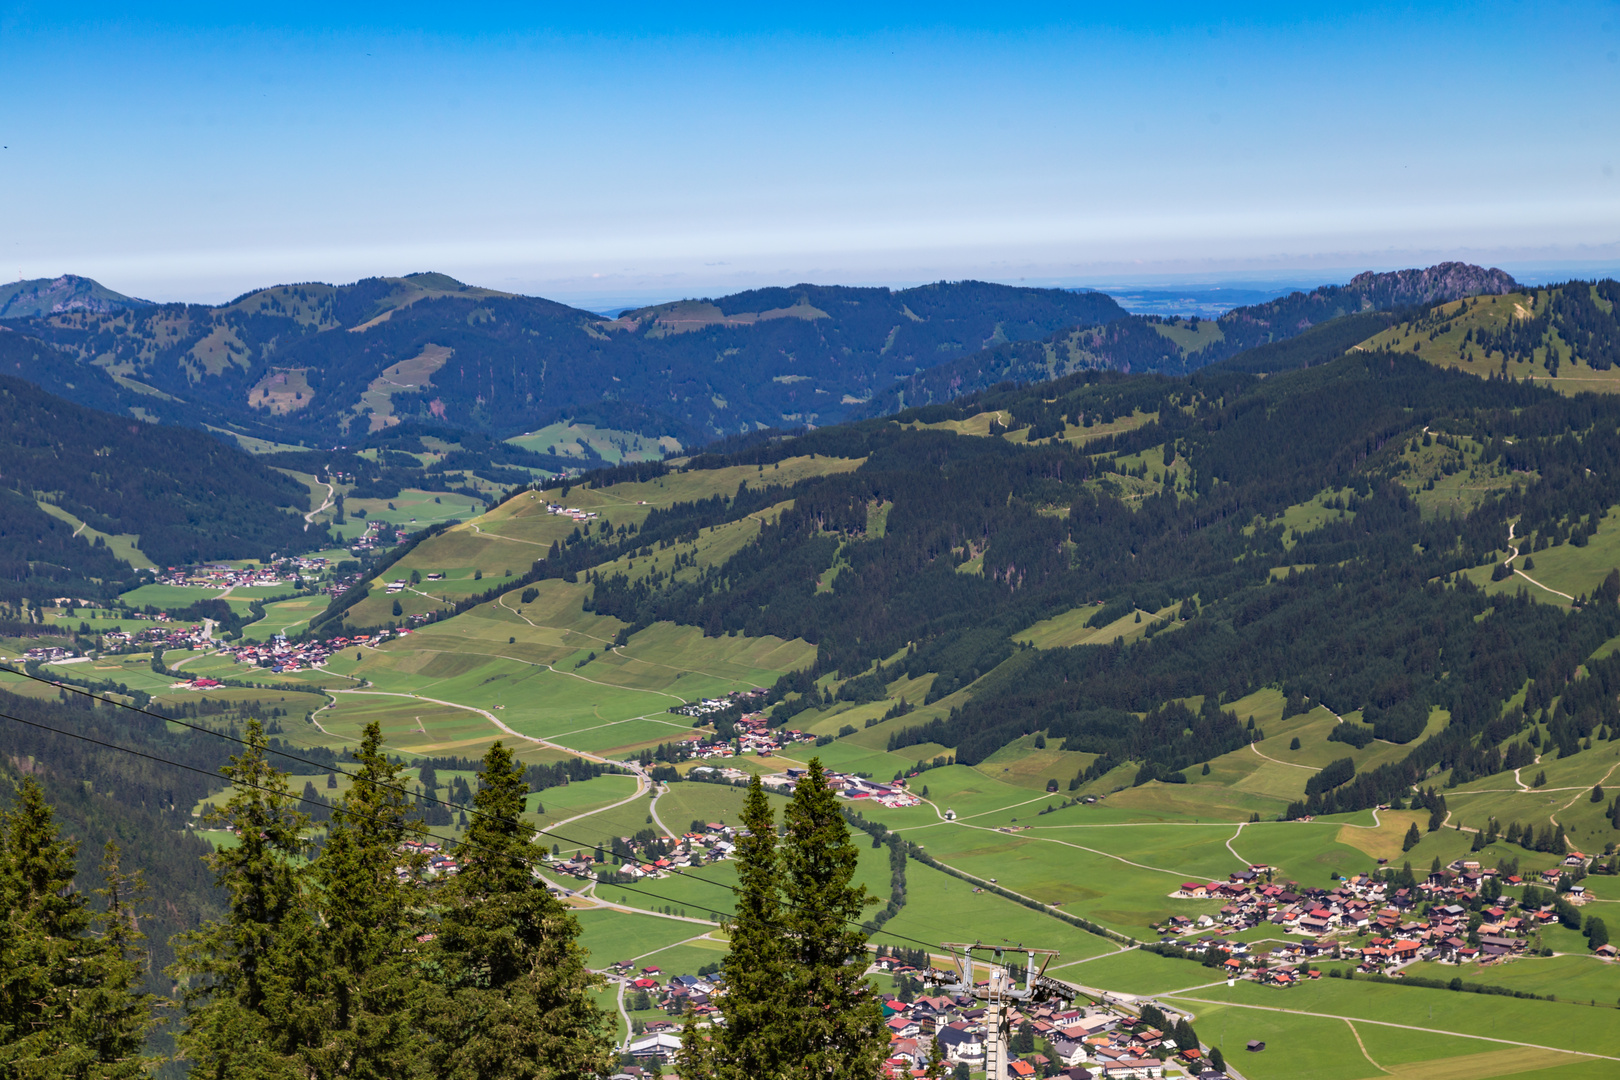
<point>1457,914</point>
<point>1101,1040</point>
<point>223,576</point>
<point>650,855</point>
<point>284,657</point>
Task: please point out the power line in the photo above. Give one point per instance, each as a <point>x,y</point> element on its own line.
<point>356,778</point>
<point>305,761</point>
<point>448,840</point>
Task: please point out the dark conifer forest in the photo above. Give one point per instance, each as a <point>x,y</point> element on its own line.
<point>1369,613</point>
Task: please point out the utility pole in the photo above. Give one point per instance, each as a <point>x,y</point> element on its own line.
<point>1002,989</point>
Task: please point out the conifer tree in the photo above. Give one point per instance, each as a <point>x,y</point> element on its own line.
<point>111,1017</point>
<point>348,970</point>
<point>751,1042</point>
<point>698,1057</point>
<point>833,1026</point>
<point>514,996</point>
<point>42,913</point>
<point>225,967</point>
<point>68,1007</point>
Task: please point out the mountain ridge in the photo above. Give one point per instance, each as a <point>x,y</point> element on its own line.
<point>1176,346</point>
<point>318,363</point>
<point>39,297</point>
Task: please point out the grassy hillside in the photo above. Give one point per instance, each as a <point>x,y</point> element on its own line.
<point>1566,337</point>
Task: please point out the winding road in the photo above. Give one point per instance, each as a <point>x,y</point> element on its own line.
<point>643,783</point>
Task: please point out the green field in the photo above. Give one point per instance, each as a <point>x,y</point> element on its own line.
<point>1543,1023</point>
<point>285,617</point>
<point>609,444</point>
<point>167,597</point>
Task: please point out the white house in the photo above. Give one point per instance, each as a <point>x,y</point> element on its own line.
<point>662,1046</point>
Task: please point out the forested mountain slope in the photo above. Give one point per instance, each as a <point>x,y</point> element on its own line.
<point>323,364</point>
<point>1150,343</point>
<point>101,794</point>
<point>1329,532</point>
<point>1565,335</point>
<point>183,494</point>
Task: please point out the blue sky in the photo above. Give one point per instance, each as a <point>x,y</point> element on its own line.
<point>632,153</point>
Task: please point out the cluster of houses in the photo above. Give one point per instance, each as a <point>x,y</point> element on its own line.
<point>676,995</point>
<point>153,637</point>
<point>377,534</point>
<point>438,863</point>
<point>1397,935</point>
<point>338,584</point>
<point>286,658</point>
<point>49,653</point>
<point>848,786</point>
<point>570,512</point>
<point>753,737</point>
<point>743,699</point>
<point>1096,1041</point>
<point>642,858</point>
<point>220,576</point>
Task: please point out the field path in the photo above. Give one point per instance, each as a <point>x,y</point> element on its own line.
<point>943,820</point>
<point>1577,798</point>
<point>496,721</point>
<point>1513,553</point>
<point>510,539</point>
<point>641,789</point>
<point>1099,956</point>
<point>665,948</point>
<point>1406,1027</point>
<point>331,494</point>
<point>331,701</point>
<point>593,682</point>
<point>1235,835</point>
<point>1363,1046</point>
<point>1077,847</point>
<point>501,602</point>
<point>1256,748</point>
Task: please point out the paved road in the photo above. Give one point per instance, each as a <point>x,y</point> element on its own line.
<point>643,784</point>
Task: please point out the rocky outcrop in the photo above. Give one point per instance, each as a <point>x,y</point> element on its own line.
<point>1434,285</point>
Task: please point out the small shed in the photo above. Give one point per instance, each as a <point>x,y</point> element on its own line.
<point>1255,1046</point>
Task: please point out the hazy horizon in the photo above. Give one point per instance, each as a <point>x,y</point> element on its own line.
<point>1250,286</point>
<point>194,153</point>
